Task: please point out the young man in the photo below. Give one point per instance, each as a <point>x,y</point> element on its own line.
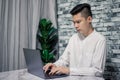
<point>85,53</point>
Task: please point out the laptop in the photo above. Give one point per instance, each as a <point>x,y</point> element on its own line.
<point>35,65</point>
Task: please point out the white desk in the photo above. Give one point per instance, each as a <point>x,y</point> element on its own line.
<point>24,75</point>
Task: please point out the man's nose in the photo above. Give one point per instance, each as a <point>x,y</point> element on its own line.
<point>76,25</point>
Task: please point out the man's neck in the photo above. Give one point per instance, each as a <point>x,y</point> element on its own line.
<point>89,32</point>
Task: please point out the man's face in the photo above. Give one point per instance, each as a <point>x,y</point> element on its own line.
<point>82,24</point>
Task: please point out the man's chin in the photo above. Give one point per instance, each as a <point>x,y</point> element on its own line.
<point>79,31</point>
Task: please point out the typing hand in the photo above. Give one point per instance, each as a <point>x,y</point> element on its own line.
<point>59,70</point>
<point>48,67</point>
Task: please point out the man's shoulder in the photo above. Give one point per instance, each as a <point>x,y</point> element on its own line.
<point>100,36</point>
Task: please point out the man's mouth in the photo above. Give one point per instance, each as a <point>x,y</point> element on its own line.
<point>77,29</point>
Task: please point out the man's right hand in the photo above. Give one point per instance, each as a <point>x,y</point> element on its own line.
<point>48,66</point>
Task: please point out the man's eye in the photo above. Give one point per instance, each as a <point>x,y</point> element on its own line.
<point>77,21</point>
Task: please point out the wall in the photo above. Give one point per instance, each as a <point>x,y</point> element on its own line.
<point>106,20</point>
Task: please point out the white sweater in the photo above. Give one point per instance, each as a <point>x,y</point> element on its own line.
<point>85,56</point>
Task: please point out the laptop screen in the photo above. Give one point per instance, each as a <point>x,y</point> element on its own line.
<point>35,65</point>
<point>34,62</point>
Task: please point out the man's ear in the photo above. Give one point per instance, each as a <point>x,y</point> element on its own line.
<point>89,19</point>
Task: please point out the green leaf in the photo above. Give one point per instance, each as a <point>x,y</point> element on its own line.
<point>48,37</point>
<point>52,32</point>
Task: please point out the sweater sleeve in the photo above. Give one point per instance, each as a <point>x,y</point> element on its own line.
<point>65,57</point>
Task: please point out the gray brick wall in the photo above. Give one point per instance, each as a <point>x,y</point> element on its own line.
<point>106,20</point>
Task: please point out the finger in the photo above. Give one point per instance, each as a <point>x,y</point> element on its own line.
<point>46,67</point>
<point>53,71</point>
<point>58,72</point>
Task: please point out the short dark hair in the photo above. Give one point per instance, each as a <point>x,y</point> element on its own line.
<point>84,9</point>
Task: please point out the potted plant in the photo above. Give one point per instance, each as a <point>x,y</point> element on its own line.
<point>47,36</point>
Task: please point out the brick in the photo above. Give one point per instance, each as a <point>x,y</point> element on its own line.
<point>115,31</point>
<point>64,26</point>
<point>106,33</point>
<point>96,12</point>
<point>116,60</point>
<point>64,5</point>
<point>61,1</point>
<point>113,37</point>
<point>95,20</point>
<point>60,12</point>
<point>118,42</point>
<point>115,19</point>
<point>118,14</point>
<point>101,29</point>
<point>117,65</point>
<point>116,55</point>
<point>117,1</point>
<point>109,24</point>
<point>97,24</point>
<point>93,8</point>
<point>116,51</point>
<point>68,15</point>
<point>116,10</point>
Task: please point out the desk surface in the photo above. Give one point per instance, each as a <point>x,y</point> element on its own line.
<point>24,75</point>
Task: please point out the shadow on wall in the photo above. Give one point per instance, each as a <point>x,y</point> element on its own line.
<point>111,71</point>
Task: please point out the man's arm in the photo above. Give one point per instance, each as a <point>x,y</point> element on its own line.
<point>60,65</point>
<point>64,58</point>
